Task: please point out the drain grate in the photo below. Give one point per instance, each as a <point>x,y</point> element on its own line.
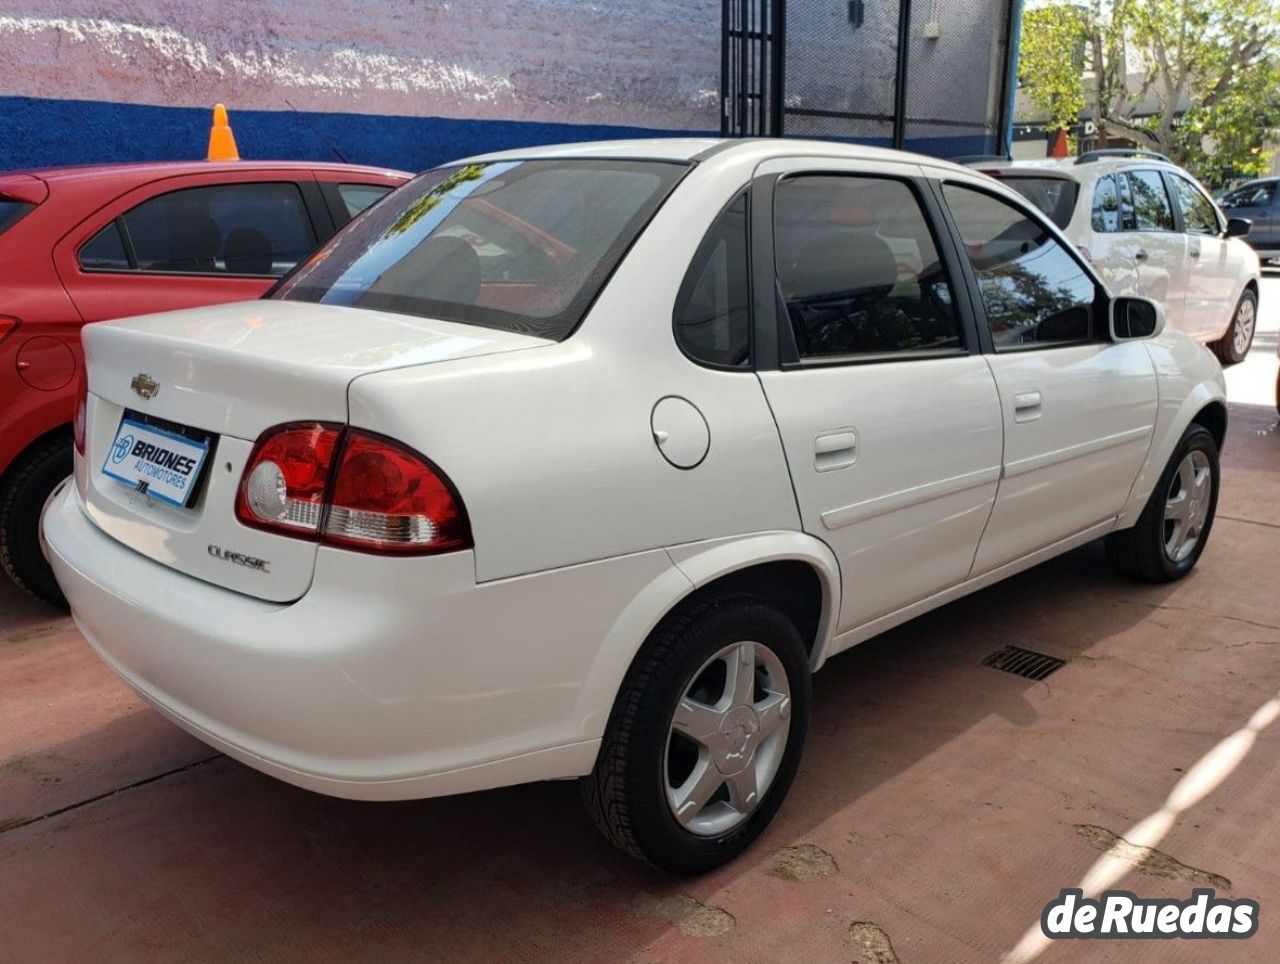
<point>1024,662</point>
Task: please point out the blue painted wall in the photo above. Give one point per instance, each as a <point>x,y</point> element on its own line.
<point>41,132</point>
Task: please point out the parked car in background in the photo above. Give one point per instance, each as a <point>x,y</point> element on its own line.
<point>1259,201</point>
<point>83,244</point>
<point>1151,229</point>
<point>578,461</point>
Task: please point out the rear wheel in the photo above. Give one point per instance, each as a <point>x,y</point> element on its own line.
<point>1234,345</point>
<point>705,736</point>
<point>1174,526</point>
<point>26,489</point>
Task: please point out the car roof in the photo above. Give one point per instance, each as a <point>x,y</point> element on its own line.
<point>705,148</point>
<point>1070,167</point>
<point>152,170</point>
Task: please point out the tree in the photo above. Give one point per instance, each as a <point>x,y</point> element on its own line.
<point>1211,66</point>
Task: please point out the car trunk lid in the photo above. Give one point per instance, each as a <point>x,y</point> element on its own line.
<point>226,374</point>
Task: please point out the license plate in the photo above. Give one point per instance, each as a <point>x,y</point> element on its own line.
<point>156,461</point>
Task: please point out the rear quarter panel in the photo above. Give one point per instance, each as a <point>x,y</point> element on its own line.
<point>552,448</point>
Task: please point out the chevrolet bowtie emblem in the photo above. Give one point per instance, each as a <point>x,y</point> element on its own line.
<point>144,386</point>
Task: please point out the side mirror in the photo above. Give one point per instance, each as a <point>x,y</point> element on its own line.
<point>1136,318</point>
<point>1238,227</point>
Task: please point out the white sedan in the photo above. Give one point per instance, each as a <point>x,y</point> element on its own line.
<point>578,462</point>
<point>1150,229</point>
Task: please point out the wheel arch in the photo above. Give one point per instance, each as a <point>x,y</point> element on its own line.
<point>1203,401</point>
<point>1213,416</point>
<point>19,452</point>
<point>795,570</point>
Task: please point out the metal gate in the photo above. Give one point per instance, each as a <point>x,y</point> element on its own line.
<point>751,68</point>
<point>933,76</point>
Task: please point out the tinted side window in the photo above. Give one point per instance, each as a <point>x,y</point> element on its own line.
<point>1055,197</point>
<point>244,229</point>
<point>13,211</point>
<point>1150,201</point>
<point>357,197</point>
<point>105,251</point>
<point>858,268</point>
<point>1034,291</point>
<point>712,320</point>
<point>1106,205</point>
<point>1250,196</point>
<point>1198,215</point>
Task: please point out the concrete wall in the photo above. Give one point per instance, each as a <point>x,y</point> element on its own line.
<point>405,83</point>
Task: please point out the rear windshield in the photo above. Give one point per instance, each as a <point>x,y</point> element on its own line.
<point>11,212</point>
<point>1054,196</point>
<point>520,245</point>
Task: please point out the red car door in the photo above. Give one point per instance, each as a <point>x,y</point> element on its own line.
<point>191,240</point>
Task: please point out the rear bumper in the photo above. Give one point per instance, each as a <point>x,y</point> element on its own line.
<point>389,679</point>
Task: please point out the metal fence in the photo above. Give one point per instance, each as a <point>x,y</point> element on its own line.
<point>927,75</point>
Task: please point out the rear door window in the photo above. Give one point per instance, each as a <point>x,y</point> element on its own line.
<point>1055,197</point>
<point>1106,205</point>
<point>859,270</point>
<point>1152,209</point>
<point>239,229</point>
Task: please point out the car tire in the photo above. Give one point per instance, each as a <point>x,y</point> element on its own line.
<point>630,793</point>
<point>26,487</point>
<point>1234,345</point>
<point>1152,549</point>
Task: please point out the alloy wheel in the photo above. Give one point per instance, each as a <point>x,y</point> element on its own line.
<point>1186,507</point>
<point>727,738</point>
<point>1242,332</point>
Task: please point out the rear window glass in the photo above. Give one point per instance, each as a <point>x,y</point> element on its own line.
<point>1054,196</point>
<point>242,229</point>
<point>518,245</point>
<point>13,211</point>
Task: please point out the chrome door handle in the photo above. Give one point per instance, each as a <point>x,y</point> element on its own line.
<point>835,450</point>
<point>1140,255</point>
<point>1026,406</point>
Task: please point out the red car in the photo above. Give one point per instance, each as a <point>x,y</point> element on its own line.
<point>82,244</point>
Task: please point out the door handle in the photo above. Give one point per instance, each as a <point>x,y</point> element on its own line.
<point>1140,255</point>
<point>835,450</point>
<point>1195,251</point>
<point>1026,406</point>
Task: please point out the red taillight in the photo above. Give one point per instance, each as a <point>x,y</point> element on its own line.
<point>81,417</point>
<point>387,498</point>
<point>7,326</point>
<point>351,489</point>
<point>284,483</point>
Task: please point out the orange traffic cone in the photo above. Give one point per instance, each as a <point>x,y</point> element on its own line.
<point>222,143</point>
<point>1058,146</point>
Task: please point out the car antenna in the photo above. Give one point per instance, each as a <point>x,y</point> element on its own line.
<point>222,143</point>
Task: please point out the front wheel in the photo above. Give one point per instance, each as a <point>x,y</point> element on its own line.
<point>1174,526</point>
<point>705,736</point>
<point>1234,345</point>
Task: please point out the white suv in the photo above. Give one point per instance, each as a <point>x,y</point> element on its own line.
<point>1150,229</point>
<point>577,462</point>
